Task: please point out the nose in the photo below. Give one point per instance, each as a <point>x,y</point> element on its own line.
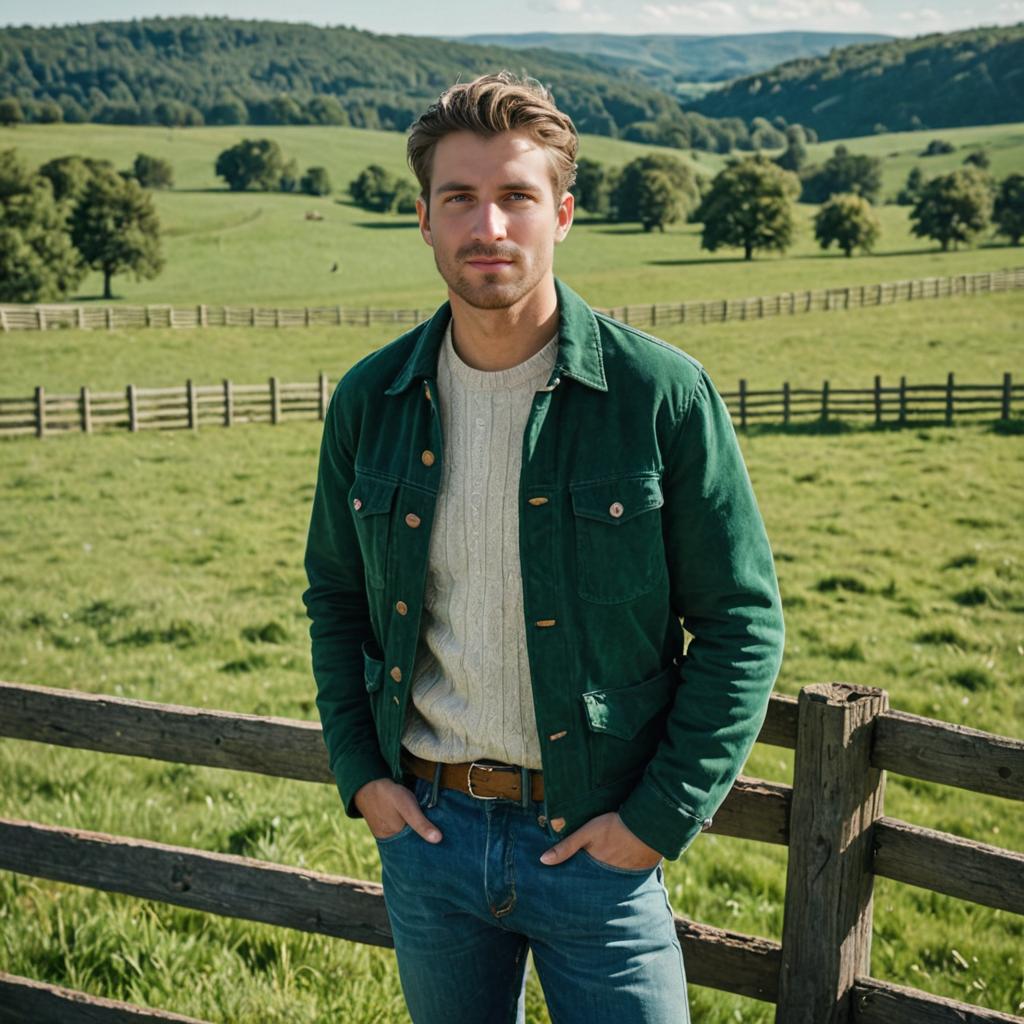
<point>490,224</point>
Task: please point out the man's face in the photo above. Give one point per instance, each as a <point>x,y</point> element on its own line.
<point>494,218</point>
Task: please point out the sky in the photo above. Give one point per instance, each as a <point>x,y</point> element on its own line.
<point>465,17</point>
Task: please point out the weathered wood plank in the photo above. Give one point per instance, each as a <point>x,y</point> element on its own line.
<point>953,755</point>
<point>730,961</point>
<point>837,796</point>
<point>755,809</point>
<point>217,883</point>
<point>780,723</point>
<point>281,747</point>
<point>958,867</point>
<point>24,1001</point>
<point>882,1002</point>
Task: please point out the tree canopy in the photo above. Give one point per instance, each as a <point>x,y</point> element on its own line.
<point>849,221</point>
<point>954,207</point>
<point>750,205</point>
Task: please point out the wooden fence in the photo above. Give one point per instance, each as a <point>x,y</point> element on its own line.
<point>831,819</point>
<point>700,311</point>
<point>190,406</point>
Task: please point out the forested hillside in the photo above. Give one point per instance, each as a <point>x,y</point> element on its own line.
<point>934,81</point>
<point>224,71</point>
<point>667,61</point>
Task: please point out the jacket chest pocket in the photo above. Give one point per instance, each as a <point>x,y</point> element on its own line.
<point>620,553</point>
<point>370,501</point>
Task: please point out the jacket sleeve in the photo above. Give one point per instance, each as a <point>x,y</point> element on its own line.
<point>336,603</point>
<point>722,582</point>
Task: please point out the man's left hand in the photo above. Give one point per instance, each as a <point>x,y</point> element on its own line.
<point>606,839</point>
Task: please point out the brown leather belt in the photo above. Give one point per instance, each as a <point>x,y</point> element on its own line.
<point>477,778</point>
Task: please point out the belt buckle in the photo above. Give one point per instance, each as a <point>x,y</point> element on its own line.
<point>484,767</point>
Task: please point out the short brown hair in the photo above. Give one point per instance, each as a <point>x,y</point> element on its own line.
<point>490,105</point>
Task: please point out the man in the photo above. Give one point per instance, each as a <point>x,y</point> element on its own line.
<point>517,501</point>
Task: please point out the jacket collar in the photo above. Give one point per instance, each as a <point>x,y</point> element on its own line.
<point>579,345</point>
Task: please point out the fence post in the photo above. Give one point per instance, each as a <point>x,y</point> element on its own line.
<point>229,403</point>
<point>323,396</point>
<point>193,411</point>
<point>824,401</point>
<point>252,316</point>
<point>785,403</point>
<point>149,317</point>
<point>275,401</point>
<point>204,315</point>
<point>40,411</point>
<point>949,399</point>
<point>903,401</point>
<point>1007,394</point>
<point>85,410</point>
<point>337,314</point>
<point>878,400</point>
<point>743,403</point>
<point>110,318</point>
<point>40,318</point>
<point>367,316</point>
<point>133,409</point>
<point>79,317</point>
<point>654,315</point>
<point>306,315</point>
<point>277,316</point>
<point>837,798</point>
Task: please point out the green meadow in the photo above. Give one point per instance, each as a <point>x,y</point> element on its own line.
<point>258,248</point>
<point>167,566</point>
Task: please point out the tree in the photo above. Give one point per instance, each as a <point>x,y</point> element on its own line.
<point>49,112</point>
<point>938,147</point>
<point>68,175</point>
<point>659,202</point>
<point>1009,207</point>
<point>289,178</point>
<point>152,171</point>
<point>763,135</point>
<point>316,182</point>
<point>229,110</point>
<point>252,163</point>
<point>954,207</point>
<point>843,171</point>
<point>627,188</point>
<point>115,228</point>
<point>11,112</point>
<point>794,156</point>
<point>375,189</point>
<point>848,220</point>
<point>591,187</point>
<point>911,191</point>
<point>403,200</point>
<point>978,158</point>
<point>38,263</point>
<point>750,205</point>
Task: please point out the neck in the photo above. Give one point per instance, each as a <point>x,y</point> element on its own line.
<point>496,339</point>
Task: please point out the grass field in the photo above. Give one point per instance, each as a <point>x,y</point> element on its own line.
<point>224,247</point>
<point>150,566</point>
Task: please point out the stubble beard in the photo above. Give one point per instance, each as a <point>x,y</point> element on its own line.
<point>489,291</point>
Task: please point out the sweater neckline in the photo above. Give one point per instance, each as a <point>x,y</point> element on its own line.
<point>533,371</point>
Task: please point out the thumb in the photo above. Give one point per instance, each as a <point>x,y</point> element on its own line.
<point>421,824</point>
<point>564,850</point>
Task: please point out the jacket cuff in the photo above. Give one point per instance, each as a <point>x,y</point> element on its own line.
<point>353,771</point>
<point>663,826</point>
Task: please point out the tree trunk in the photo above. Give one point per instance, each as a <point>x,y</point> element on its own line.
<point>748,251</point>
<point>107,275</point>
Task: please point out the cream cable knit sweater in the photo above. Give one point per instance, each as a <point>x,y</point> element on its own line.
<point>471,692</point>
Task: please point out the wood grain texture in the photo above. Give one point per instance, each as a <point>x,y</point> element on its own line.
<point>881,1002</point>
<point>944,863</point>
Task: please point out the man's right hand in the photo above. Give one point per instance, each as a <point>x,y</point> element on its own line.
<point>389,806</point>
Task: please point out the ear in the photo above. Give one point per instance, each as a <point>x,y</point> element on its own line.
<point>424,218</point>
<point>563,216</point>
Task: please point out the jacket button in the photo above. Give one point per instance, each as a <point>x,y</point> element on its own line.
<point>357,503</point>
<point>537,501</point>
<point>615,509</point>
<point>558,824</point>
<point>401,607</point>
<point>541,820</point>
<point>412,520</point>
<point>558,735</point>
<point>427,458</point>
<point>426,391</point>
<point>705,825</point>
<point>545,622</point>
<point>396,674</point>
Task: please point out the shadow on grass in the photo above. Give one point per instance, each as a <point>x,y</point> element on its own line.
<point>386,225</point>
<point>1013,427</point>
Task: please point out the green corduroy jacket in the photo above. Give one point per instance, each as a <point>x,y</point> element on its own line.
<point>635,512</point>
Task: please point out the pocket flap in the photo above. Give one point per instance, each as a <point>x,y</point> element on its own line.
<point>371,495</point>
<point>616,501</point>
<point>373,665</point>
<point>625,710</point>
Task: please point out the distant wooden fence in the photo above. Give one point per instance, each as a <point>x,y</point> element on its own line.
<point>190,406</point>
<point>831,819</point>
<point>659,314</point>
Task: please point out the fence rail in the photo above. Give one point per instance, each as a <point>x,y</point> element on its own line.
<point>845,738</point>
<point>191,406</point>
<point>660,314</point>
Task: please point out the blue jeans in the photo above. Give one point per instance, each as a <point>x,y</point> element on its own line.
<point>465,911</point>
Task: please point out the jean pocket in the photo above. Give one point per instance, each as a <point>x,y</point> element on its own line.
<point>613,869</point>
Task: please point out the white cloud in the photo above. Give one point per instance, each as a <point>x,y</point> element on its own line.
<point>807,11</point>
<point>704,11</point>
<point>557,6</point>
